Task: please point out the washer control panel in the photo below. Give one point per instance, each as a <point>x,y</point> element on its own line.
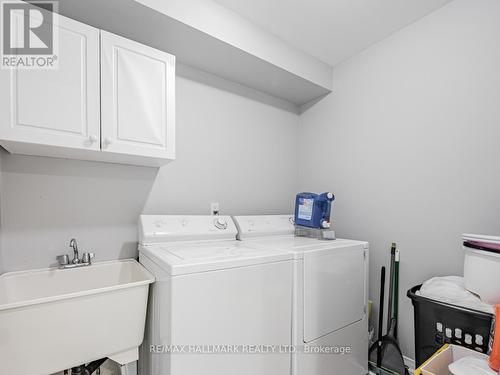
<point>167,228</point>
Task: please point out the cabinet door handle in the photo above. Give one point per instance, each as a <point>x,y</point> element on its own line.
<point>107,141</point>
<point>93,138</point>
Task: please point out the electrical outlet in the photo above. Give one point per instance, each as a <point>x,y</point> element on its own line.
<point>214,208</point>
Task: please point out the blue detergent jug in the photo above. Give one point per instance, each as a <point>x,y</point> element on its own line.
<point>313,210</point>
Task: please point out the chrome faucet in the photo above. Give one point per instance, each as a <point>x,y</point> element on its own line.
<point>74,245</point>
<point>64,261</point>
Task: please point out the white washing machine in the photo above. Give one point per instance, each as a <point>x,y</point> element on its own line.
<point>330,323</point>
<point>217,307</point>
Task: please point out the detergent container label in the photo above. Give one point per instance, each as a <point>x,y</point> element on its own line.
<point>305,208</point>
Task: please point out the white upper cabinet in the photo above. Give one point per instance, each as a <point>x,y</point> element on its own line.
<point>137,98</point>
<point>58,107</point>
<point>109,99</point>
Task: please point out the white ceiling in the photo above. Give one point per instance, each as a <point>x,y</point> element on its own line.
<point>332,30</point>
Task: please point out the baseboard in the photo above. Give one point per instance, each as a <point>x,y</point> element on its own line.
<point>410,363</point>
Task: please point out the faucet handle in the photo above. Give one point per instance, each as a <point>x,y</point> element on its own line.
<point>62,259</point>
<point>87,257</point>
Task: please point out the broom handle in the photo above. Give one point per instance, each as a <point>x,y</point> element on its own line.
<point>381,304</point>
<point>381,316</point>
<point>396,294</point>
<point>391,288</point>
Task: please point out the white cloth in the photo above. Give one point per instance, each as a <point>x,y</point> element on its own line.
<point>471,366</point>
<point>451,289</point>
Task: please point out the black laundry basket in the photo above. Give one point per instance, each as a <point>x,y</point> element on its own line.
<point>438,323</point>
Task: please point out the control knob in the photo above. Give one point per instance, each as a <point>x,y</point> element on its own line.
<point>220,223</point>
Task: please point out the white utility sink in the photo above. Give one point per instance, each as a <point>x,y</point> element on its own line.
<point>53,319</point>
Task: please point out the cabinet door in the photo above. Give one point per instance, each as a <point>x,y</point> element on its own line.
<point>137,98</point>
<point>334,290</point>
<point>58,107</point>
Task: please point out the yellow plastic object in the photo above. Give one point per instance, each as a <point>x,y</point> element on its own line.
<point>419,370</point>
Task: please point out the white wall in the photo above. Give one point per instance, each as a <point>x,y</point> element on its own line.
<point>230,149</point>
<point>409,143</point>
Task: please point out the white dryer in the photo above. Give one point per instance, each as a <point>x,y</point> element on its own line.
<point>217,307</point>
<point>330,295</point>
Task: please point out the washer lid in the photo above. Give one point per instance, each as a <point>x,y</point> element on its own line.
<point>184,258</point>
<point>264,225</point>
<point>155,229</point>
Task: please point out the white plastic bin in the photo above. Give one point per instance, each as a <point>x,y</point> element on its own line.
<point>438,364</point>
<point>482,274</point>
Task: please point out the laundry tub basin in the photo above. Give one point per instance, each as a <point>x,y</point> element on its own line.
<point>54,319</point>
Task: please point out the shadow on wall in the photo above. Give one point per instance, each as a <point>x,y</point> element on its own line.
<point>47,201</point>
<point>235,88</point>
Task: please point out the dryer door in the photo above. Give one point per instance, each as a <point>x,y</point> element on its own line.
<point>334,290</point>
